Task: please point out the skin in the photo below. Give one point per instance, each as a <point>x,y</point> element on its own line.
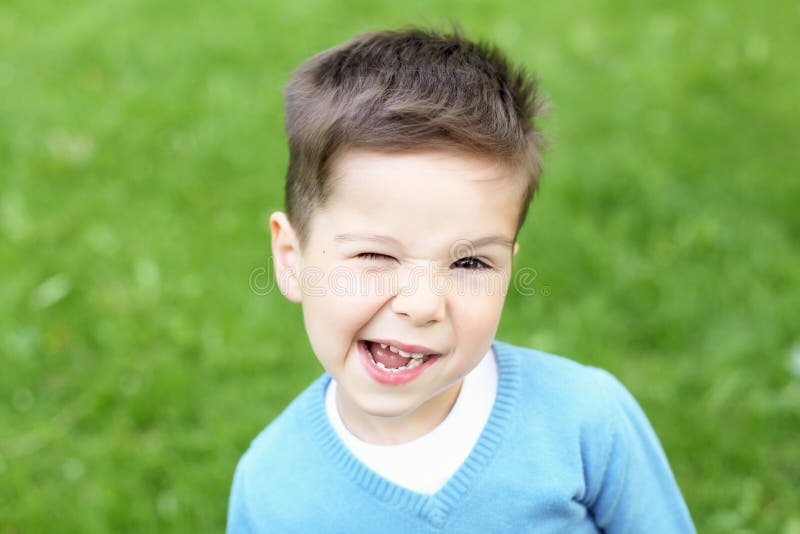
<point>421,289</point>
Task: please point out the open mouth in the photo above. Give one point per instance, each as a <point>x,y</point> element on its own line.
<point>393,359</point>
<point>390,365</point>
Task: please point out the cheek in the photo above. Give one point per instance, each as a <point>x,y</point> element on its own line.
<point>476,317</point>
<point>335,319</point>
<point>375,283</point>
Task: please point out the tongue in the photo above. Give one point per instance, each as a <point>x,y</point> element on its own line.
<point>389,359</point>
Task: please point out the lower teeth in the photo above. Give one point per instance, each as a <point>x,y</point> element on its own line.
<point>415,362</point>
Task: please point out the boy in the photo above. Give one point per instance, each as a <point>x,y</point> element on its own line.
<point>413,157</point>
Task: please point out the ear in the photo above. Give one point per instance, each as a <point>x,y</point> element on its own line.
<point>286,255</point>
<point>516,249</point>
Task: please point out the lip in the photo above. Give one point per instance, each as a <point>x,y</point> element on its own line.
<point>419,349</point>
<point>391,378</point>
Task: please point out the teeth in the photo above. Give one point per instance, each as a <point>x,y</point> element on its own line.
<point>404,354</point>
<point>414,362</point>
<point>409,365</point>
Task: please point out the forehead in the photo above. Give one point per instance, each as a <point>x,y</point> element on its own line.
<point>422,197</point>
<point>356,159</point>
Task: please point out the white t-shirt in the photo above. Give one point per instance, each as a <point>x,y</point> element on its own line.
<point>425,464</point>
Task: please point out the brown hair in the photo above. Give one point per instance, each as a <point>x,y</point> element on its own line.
<point>398,91</point>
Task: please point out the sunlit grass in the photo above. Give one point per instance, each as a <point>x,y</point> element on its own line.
<point>141,151</point>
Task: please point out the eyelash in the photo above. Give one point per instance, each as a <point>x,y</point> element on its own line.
<point>376,256</point>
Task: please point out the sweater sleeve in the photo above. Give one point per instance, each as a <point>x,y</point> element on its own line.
<point>637,491</point>
<point>238,517</point>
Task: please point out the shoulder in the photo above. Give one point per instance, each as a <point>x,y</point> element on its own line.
<point>285,440</point>
<point>269,475</point>
<point>565,405</point>
<point>569,387</point>
<point>587,420</point>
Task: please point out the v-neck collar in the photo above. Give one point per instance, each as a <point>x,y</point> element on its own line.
<point>437,507</point>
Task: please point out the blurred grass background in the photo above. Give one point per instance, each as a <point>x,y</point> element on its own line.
<point>141,152</point>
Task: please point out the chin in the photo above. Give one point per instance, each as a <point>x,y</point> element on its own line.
<point>387,410</point>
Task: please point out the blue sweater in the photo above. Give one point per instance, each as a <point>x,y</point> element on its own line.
<point>566,449</point>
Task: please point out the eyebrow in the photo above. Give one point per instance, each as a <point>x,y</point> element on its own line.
<point>485,240</point>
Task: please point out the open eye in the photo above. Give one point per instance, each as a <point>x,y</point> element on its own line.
<point>471,263</point>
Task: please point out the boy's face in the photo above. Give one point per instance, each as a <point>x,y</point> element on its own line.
<point>412,248</point>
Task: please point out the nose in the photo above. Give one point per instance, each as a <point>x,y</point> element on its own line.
<point>421,299</point>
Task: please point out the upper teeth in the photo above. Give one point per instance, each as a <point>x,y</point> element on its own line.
<point>404,354</point>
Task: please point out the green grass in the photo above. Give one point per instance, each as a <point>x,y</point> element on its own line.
<point>141,152</point>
